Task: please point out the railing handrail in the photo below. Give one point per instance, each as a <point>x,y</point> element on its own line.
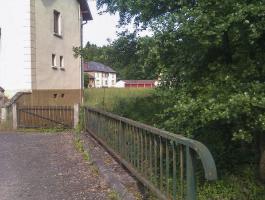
<point>202,151</point>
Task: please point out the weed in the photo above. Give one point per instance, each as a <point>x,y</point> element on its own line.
<point>79,145</point>
<point>45,130</point>
<point>113,195</point>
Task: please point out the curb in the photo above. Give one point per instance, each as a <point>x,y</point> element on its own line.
<point>106,172</point>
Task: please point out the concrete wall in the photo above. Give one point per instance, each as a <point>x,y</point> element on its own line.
<point>48,78</point>
<point>15,46</point>
<point>50,98</point>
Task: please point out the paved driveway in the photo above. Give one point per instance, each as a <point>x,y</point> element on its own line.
<point>45,167</point>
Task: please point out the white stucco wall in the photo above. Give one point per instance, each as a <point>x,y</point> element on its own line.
<point>48,78</point>
<point>112,78</point>
<point>15,58</point>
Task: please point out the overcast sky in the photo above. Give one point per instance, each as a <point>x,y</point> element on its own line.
<point>103,27</point>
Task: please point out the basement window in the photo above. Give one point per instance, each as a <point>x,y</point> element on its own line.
<point>61,62</point>
<point>53,61</point>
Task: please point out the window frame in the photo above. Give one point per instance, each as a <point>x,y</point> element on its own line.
<point>57,23</point>
<point>61,62</point>
<point>54,64</point>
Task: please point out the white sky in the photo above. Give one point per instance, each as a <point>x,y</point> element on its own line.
<point>103,27</point>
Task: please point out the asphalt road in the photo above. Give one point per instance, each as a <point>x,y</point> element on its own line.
<point>45,167</point>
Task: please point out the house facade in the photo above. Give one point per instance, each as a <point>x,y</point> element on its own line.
<point>137,84</point>
<point>36,49</point>
<point>100,75</point>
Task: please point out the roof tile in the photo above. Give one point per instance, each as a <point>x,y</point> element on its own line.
<point>97,67</point>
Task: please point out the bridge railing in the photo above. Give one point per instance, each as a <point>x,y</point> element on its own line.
<point>164,162</point>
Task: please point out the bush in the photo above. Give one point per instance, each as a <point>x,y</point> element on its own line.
<point>241,186</point>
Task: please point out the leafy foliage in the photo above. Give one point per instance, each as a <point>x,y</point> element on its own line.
<point>125,55</point>
<point>86,80</point>
<point>232,187</point>
<point>211,57</point>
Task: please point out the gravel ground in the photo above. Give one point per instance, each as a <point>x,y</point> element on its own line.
<point>115,175</point>
<point>46,167</point>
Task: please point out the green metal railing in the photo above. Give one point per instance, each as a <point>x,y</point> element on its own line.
<point>164,162</point>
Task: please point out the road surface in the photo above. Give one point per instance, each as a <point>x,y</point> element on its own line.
<point>37,166</point>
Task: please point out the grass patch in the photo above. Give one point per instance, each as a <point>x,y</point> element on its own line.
<point>139,104</point>
<point>44,130</point>
<point>79,145</point>
<point>107,98</point>
<point>113,195</point>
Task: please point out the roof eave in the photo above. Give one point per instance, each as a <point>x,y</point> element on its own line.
<point>85,10</point>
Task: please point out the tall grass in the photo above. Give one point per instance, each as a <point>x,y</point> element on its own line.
<point>108,98</point>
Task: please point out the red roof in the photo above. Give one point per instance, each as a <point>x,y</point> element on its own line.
<point>139,81</point>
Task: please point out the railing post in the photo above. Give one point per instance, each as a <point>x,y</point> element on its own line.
<point>191,183</point>
<point>14,113</point>
<point>76,115</point>
<point>162,147</point>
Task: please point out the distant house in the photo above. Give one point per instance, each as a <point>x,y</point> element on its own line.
<point>100,75</point>
<point>137,84</point>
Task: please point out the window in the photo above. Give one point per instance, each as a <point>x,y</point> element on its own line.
<point>106,82</point>
<point>53,60</point>
<point>112,82</point>
<point>61,62</point>
<point>57,23</point>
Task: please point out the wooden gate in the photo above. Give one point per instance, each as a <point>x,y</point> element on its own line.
<point>45,117</point>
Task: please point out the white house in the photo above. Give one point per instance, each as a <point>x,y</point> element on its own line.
<point>36,42</point>
<point>100,75</point>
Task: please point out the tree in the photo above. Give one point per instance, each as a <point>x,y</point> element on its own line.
<point>212,57</point>
<point>86,80</point>
<point>125,55</point>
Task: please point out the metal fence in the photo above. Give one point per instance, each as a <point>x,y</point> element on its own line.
<point>45,117</point>
<point>164,162</point>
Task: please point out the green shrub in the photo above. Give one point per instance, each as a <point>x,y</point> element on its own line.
<point>86,80</point>
<point>243,186</point>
